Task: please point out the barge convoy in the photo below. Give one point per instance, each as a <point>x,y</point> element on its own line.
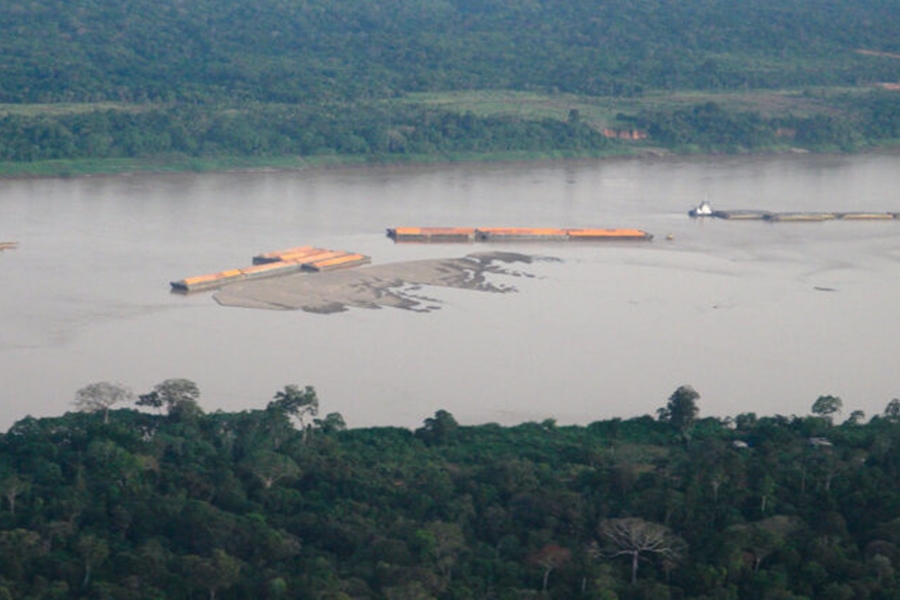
<point>316,260</point>
<point>270,264</point>
<point>704,210</point>
<point>510,234</point>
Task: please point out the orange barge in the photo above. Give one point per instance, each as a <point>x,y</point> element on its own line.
<point>271,264</point>
<point>511,234</point>
<point>608,234</point>
<point>519,234</point>
<point>432,234</point>
<point>336,262</point>
<point>278,255</point>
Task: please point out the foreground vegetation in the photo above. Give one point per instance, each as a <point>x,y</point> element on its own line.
<point>114,502</point>
<point>163,84</point>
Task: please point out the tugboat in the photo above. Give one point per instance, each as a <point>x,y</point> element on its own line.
<point>701,210</point>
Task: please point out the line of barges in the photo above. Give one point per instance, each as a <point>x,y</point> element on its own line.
<point>796,217</point>
<point>271,264</point>
<point>704,210</point>
<point>510,234</point>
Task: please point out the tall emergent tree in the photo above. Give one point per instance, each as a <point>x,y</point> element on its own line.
<point>892,410</point>
<point>439,429</point>
<point>633,537</point>
<point>174,394</point>
<point>297,404</point>
<point>682,410</point>
<point>271,467</point>
<point>548,558</point>
<point>826,406</point>
<point>217,572</point>
<point>11,487</point>
<point>101,396</point>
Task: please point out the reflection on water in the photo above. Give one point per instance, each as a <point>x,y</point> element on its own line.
<point>756,316</point>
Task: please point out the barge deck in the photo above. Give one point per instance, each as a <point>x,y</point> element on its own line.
<point>510,234</point>
<point>273,264</point>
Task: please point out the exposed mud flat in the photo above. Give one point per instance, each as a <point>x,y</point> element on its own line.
<point>397,285</point>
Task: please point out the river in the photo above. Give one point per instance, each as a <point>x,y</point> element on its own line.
<point>757,317</point>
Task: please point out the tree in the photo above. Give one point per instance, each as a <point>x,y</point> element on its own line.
<point>762,538</point>
<point>745,421</point>
<point>150,399</point>
<point>175,394</point>
<point>17,547</point>
<point>548,558</point>
<point>892,410</point>
<point>857,417</point>
<point>442,542</point>
<point>218,572</point>
<point>297,404</point>
<point>101,396</point>
<point>332,423</point>
<point>825,406</point>
<point>10,488</point>
<point>682,410</point>
<point>633,537</point>
<point>439,429</point>
<point>271,467</point>
<point>93,551</point>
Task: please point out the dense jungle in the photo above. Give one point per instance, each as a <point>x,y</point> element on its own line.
<point>167,82</point>
<point>162,500</point>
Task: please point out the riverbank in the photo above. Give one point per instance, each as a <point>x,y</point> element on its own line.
<point>184,164</point>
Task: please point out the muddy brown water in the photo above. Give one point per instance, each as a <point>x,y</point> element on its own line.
<point>757,316</point>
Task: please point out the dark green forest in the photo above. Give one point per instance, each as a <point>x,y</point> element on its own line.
<point>163,500</point>
<point>310,51</point>
<point>99,79</point>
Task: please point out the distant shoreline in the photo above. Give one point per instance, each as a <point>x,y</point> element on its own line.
<point>173,165</point>
<point>114,167</point>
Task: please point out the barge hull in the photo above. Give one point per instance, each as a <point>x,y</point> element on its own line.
<point>294,260</point>
<point>432,234</point>
<point>607,234</point>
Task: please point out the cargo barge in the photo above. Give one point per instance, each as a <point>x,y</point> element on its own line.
<point>520,234</point>
<point>272,264</point>
<point>289,254</point>
<point>704,210</point>
<point>800,217</point>
<point>741,215</point>
<point>8,245</point>
<point>862,216</point>
<point>608,234</point>
<point>432,234</point>
<point>336,262</point>
<point>511,234</point>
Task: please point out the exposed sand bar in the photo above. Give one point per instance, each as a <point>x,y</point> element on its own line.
<point>395,285</point>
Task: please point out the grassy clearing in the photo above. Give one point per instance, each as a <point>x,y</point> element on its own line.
<point>526,105</point>
<point>114,166</point>
<point>171,164</point>
<point>600,112</point>
<point>37,110</point>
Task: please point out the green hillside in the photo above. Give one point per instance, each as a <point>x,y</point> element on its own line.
<point>212,78</point>
<point>314,50</point>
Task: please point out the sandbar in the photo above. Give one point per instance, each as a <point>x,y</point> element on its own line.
<point>396,285</point>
